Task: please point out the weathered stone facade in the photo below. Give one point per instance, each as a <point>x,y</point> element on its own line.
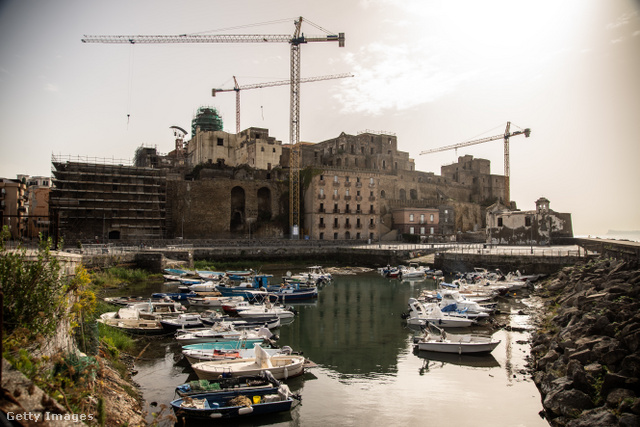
<point>223,207</point>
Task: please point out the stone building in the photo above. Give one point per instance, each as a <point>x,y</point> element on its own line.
<point>422,222</point>
<point>542,226</point>
<point>476,174</point>
<point>13,206</point>
<point>253,147</point>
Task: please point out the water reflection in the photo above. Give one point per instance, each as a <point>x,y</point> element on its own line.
<point>434,360</point>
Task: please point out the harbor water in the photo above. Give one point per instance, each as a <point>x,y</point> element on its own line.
<point>367,370</point>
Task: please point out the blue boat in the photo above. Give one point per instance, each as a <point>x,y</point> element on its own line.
<point>237,403</point>
<point>292,292</point>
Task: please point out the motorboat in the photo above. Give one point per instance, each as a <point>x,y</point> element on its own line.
<point>281,366</point>
<point>221,351</point>
<point>267,308</point>
<point>211,301</point>
<point>420,314</point>
<point>247,384</point>
<point>134,326</point>
<point>437,340</point>
<point>223,331</point>
<point>183,321</point>
<point>413,271</point>
<point>208,286</point>
<point>448,297</point>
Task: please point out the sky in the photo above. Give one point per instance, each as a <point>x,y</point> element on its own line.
<point>434,73</point>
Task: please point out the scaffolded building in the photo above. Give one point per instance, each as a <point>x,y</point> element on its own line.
<point>106,200</point>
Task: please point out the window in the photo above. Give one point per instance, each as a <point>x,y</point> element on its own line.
<point>322,192</point>
<point>335,178</point>
<point>431,218</point>
<point>431,230</point>
<point>422,219</point>
<point>321,210</point>
<point>527,221</point>
<point>335,193</point>
<point>321,177</point>
<point>335,222</point>
<point>410,217</point>
<point>321,220</point>
<point>335,236</point>
<point>499,222</point>
<point>262,149</point>
<point>371,181</point>
<point>274,150</point>
<point>220,141</point>
<point>422,230</point>
<point>412,230</point>
<point>321,236</point>
<point>347,192</point>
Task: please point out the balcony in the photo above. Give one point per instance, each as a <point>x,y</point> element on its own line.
<point>347,211</point>
<point>358,226</point>
<point>336,225</point>
<point>347,197</point>
<point>371,185</point>
<point>322,210</point>
<point>358,184</point>
<point>347,225</point>
<point>347,184</point>
<point>372,198</point>
<point>322,225</point>
<point>372,226</point>
<point>358,198</point>
<point>336,197</point>
<point>322,196</point>
<point>336,183</point>
<point>336,210</point>
<point>322,182</point>
<point>372,211</point>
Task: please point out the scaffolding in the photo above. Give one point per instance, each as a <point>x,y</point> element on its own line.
<point>207,119</point>
<point>107,201</point>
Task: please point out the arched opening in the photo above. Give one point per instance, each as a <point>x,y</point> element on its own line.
<point>264,204</point>
<point>413,194</point>
<point>402,195</point>
<point>237,209</point>
<point>114,235</point>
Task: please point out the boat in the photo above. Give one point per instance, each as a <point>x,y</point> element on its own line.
<point>267,308</point>
<point>126,301</point>
<point>263,381</point>
<point>223,331</point>
<point>175,296</point>
<point>179,272</point>
<point>437,340</point>
<point>291,292</point>
<point>183,321</point>
<point>420,314</point>
<point>210,275</point>
<point>281,366</point>
<point>198,301</point>
<point>208,286</point>
<point>413,271</point>
<point>390,272</point>
<point>157,310</point>
<point>449,297</point>
<point>221,351</point>
<point>233,404</point>
<point>134,326</point>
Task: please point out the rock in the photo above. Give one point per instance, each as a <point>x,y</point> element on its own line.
<point>629,420</point>
<point>613,381</point>
<point>597,417</point>
<point>568,403</point>
<point>617,396</point>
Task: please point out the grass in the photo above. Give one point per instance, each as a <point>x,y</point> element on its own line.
<point>115,276</point>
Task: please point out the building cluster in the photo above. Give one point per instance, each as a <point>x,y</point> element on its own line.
<point>224,185</point>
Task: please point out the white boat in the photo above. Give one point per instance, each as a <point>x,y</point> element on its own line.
<point>448,297</point>
<point>420,314</point>
<point>413,271</point>
<point>223,352</point>
<point>281,366</point>
<point>265,309</point>
<point>222,331</point>
<point>212,301</point>
<point>134,326</point>
<point>438,340</point>
<point>183,321</point>
<point>208,286</point>
<point>150,310</point>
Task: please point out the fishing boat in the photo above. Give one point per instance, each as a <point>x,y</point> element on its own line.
<point>263,381</point>
<point>233,404</point>
<point>437,340</point>
<point>281,366</point>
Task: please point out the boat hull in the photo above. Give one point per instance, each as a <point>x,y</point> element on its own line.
<point>269,403</point>
<point>458,347</point>
<point>283,367</point>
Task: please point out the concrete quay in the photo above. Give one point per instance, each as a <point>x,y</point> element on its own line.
<point>447,257</point>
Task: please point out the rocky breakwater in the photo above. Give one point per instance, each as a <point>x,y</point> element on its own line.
<point>586,350</point>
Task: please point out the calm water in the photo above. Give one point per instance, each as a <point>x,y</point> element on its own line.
<point>367,370</point>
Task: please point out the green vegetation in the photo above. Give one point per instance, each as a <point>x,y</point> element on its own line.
<point>117,276</point>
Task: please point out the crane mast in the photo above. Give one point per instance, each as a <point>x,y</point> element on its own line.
<point>295,41</point>
<point>506,135</point>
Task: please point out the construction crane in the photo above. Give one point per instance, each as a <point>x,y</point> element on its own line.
<point>507,134</point>
<point>295,40</point>
<point>237,88</point>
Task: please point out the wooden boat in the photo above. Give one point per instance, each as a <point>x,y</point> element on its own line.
<point>233,404</point>
<point>437,340</point>
<point>281,366</point>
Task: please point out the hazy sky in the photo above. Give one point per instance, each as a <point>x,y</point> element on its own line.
<point>434,73</point>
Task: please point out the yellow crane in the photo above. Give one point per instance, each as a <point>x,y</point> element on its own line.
<point>507,134</point>
<point>237,88</point>
<point>295,40</point>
